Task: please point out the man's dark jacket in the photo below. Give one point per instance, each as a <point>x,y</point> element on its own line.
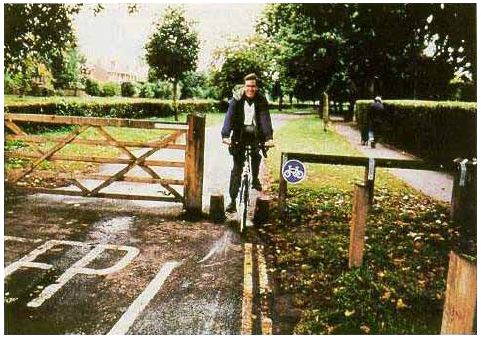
<point>234,120</point>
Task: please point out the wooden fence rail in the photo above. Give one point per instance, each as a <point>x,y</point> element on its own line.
<point>370,165</point>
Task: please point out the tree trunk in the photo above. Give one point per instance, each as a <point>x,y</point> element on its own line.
<point>174,99</point>
<point>280,99</point>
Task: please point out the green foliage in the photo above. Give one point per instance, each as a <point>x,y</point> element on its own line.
<point>109,107</point>
<point>436,130</point>
<point>172,49</point>
<point>127,89</point>
<point>196,85</point>
<point>12,83</point>
<point>349,48</point>
<point>147,90</point>
<point>69,71</point>
<point>92,87</point>
<point>163,90</point>
<point>243,57</point>
<point>110,89</point>
<point>40,31</point>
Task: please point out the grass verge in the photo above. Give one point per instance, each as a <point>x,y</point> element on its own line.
<point>400,287</point>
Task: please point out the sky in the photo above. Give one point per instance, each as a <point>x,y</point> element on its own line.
<point>114,34</point>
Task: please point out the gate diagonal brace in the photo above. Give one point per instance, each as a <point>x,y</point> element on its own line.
<point>18,131</point>
<point>51,152</point>
<point>80,267</point>
<point>138,161</point>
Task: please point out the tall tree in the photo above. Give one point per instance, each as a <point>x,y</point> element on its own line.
<point>173,49</point>
<point>236,61</point>
<point>39,31</point>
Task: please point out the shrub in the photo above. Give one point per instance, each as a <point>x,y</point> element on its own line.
<point>127,89</point>
<point>92,87</point>
<point>110,89</point>
<point>436,130</point>
<point>147,90</point>
<point>12,83</point>
<point>163,90</point>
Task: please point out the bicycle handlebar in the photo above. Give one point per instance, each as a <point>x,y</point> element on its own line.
<point>261,145</point>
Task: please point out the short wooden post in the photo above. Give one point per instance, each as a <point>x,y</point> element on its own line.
<point>216,209</point>
<point>358,225</point>
<point>369,178</point>
<point>325,110</point>
<point>463,199</point>
<point>282,189</point>
<point>194,165</point>
<point>460,302</point>
<point>262,210</point>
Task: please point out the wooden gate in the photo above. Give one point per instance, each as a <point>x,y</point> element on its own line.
<point>188,137</point>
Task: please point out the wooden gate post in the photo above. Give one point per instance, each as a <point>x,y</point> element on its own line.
<point>358,225</point>
<point>282,189</point>
<point>460,302</point>
<point>463,199</point>
<point>194,165</point>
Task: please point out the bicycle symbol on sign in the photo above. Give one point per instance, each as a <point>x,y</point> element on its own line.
<point>293,171</point>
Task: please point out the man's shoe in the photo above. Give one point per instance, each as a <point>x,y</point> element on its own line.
<point>256,184</point>
<point>231,208</point>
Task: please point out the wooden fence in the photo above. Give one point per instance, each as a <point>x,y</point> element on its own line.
<point>194,131</point>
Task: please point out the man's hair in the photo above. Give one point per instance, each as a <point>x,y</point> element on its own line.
<point>378,99</point>
<point>251,76</point>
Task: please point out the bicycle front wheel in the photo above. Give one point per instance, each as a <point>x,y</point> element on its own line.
<point>245,203</point>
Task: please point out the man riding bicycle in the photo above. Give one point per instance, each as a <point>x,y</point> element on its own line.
<point>249,121</point>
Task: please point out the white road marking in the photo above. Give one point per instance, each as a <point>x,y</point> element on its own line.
<point>18,239</point>
<point>77,268</point>
<point>80,268</point>
<point>128,318</point>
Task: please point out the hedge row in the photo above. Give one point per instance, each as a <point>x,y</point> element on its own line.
<point>114,107</point>
<point>140,108</point>
<point>434,130</point>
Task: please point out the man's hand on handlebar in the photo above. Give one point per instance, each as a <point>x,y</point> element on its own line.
<point>226,141</point>
<point>269,143</point>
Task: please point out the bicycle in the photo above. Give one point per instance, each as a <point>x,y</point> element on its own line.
<point>246,180</point>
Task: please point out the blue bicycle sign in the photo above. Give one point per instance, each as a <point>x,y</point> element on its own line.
<point>293,171</point>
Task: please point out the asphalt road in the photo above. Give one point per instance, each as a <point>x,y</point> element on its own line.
<point>182,277</point>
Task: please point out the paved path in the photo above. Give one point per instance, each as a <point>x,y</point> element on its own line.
<point>437,185</point>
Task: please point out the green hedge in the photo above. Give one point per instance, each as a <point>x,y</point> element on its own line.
<point>435,130</point>
<point>116,107</point>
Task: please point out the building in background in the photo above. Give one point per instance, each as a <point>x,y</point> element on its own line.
<point>115,73</point>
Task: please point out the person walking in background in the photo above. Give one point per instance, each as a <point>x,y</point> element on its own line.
<point>373,116</point>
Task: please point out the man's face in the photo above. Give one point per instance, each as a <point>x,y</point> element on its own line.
<point>250,88</point>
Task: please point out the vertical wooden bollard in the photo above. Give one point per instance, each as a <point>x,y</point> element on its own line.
<point>194,165</point>
<point>262,210</point>
<point>463,199</point>
<point>358,225</point>
<point>282,189</point>
<point>369,178</point>
<point>216,209</point>
<point>460,302</point>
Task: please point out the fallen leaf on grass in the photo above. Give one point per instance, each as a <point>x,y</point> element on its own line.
<point>400,304</point>
<point>365,329</point>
